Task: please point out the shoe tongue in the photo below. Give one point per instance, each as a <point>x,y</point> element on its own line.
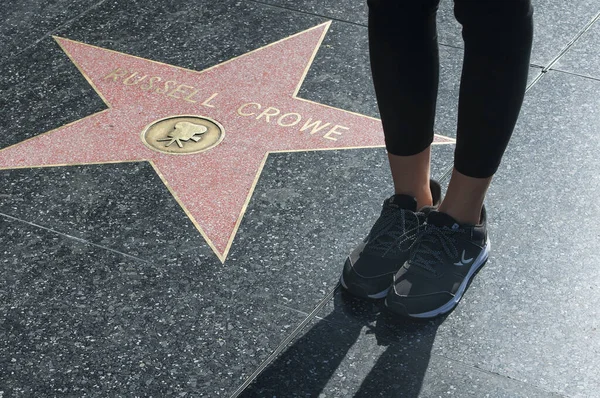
<point>403,202</point>
<point>442,220</point>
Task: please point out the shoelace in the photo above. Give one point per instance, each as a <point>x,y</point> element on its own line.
<point>394,229</point>
<point>431,244</point>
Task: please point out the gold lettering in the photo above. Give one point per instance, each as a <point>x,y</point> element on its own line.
<point>116,74</point>
<point>207,102</point>
<point>239,111</point>
<point>267,114</point>
<point>166,87</point>
<point>293,123</point>
<point>191,95</point>
<point>150,83</point>
<point>127,82</point>
<point>179,89</point>
<point>315,126</point>
<point>333,131</point>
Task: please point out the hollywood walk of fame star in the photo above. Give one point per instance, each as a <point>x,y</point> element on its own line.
<point>252,96</point>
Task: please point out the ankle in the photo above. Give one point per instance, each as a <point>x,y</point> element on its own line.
<point>462,214</point>
<point>424,199</point>
<point>422,195</point>
<point>411,176</point>
<point>464,198</point>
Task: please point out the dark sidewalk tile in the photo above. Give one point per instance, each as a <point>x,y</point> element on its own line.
<point>529,313</point>
<point>24,23</point>
<point>41,90</point>
<point>556,23</point>
<point>343,10</point>
<point>187,33</point>
<point>81,320</point>
<point>124,206</point>
<point>583,58</point>
<point>354,349</point>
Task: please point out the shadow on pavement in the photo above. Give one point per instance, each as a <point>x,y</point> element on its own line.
<point>358,350</point>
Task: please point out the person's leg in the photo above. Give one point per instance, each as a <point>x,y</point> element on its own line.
<point>404,62</point>
<point>497,36</point>
<point>454,243</point>
<point>405,66</point>
<point>411,175</point>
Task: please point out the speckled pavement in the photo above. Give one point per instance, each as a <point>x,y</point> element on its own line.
<point>180,183</point>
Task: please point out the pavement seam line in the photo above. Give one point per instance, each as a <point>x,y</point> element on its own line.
<point>51,32</point>
<point>287,308</point>
<point>574,74</point>
<point>264,3</point>
<point>281,347</point>
<point>80,240</point>
<point>496,374</point>
<point>571,43</point>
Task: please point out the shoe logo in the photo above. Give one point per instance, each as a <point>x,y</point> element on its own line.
<point>463,261</point>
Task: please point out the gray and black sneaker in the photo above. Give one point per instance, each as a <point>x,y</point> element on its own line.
<point>443,259</point>
<point>369,270</point>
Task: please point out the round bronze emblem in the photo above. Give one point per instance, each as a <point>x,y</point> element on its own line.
<point>181,135</point>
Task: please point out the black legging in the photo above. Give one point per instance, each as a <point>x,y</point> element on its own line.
<point>405,66</point>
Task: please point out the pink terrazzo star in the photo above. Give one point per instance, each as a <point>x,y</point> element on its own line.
<point>253,96</point>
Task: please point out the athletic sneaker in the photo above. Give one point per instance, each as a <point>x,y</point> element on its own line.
<point>369,270</point>
<point>443,259</point>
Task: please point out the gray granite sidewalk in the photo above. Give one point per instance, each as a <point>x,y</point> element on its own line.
<point>110,287</point>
